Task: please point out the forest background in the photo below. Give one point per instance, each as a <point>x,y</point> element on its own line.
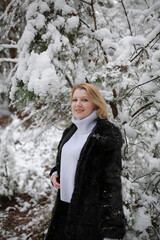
<point>45,48</point>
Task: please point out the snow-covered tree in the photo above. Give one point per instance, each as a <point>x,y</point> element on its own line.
<point>116,46</point>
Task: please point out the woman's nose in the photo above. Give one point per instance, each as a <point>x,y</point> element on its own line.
<point>79,103</point>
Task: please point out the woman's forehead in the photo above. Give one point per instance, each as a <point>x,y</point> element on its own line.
<point>80,92</point>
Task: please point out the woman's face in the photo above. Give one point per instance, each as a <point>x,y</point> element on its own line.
<point>81,104</point>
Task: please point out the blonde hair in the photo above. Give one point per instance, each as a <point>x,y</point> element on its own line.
<point>95,97</point>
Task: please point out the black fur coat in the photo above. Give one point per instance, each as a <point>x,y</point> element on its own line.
<point>97,198</point>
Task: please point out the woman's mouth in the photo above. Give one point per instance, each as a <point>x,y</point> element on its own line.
<point>79,110</point>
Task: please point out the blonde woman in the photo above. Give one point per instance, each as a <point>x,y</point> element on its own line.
<point>88,173</point>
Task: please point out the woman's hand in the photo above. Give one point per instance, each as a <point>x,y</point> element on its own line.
<point>54,181</point>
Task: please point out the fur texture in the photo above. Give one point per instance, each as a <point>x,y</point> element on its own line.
<point>96,204</point>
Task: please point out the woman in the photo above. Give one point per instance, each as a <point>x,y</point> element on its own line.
<point>88,173</point>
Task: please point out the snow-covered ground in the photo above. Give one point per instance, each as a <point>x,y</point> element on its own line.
<point>26,158</point>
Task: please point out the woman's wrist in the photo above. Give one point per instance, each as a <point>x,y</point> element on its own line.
<point>54,173</point>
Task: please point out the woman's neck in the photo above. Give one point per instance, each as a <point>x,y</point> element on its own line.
<point>86,124</point>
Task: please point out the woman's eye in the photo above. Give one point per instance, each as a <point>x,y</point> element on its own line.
<point>85,100</point>
<point>74,100</point>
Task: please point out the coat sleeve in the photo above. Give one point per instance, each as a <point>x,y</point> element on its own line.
<point>54,169</point>
<point>111,217</point>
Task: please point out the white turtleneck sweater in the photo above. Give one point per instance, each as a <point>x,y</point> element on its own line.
<point>71,152</point>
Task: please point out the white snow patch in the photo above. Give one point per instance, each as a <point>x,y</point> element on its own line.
<point>72,23</point>
<point>143,219</point>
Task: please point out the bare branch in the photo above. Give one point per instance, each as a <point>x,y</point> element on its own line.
<point>143,107</point>
<point>143,48</point>
<point>69,81</point>
<point>85,24</point>
<point>157,36</point>
<point>95,26</point>
<point>147,174</point>
<point>146,3</point>
<point>94,16</point>
<point>132,89</point>
<point>85,2</point>
<point>129,25</point>
<point>148,118</point>
<point>104,53</point>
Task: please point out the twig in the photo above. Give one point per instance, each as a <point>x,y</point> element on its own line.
<point>140,109</point>
<point>137,116</point>
<point>158,37</point>
<point>69,81</point>
<point>151,181</point>
<point>85,24</point>
<point>129,25</point>
<point>95,25</point>
<point>104,53</point>
<point>146,3</point>
<point>147,174</point>
<point>85,2</point>
<point>94,16</point>
<point>148,118</point>
<point>132,89</point>
<point>143,48</point>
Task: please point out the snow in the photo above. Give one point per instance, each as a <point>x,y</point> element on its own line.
<point>72,23</point>
<point>32,9</point>
<point>59,22</point>
<point>102,33</point>
<point>39,21</point>
<point>130,131</point>
<point>43,77</point>
<point>30,154</point>
<point>143,220</point>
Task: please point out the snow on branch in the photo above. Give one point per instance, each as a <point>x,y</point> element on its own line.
<point>132,89</point>
<point>14,60</point>
<point>8,46</point>
<point>2,46</point>
<point>155,34</point>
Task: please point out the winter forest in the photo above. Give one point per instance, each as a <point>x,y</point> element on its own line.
<point>47,46</point>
